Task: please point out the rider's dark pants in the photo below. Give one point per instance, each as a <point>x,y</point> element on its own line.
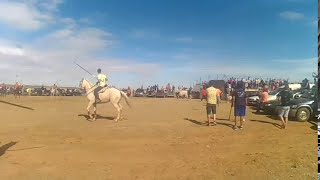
<point>96,91</point>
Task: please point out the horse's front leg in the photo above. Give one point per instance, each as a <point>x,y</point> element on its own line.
<point>95,111</point>
<point>88,109</point>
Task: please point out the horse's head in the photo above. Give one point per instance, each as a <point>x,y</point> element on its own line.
<point>85,84</point>
<point>81,84</point>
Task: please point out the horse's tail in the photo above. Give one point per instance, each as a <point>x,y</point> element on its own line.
<point>126,98</point>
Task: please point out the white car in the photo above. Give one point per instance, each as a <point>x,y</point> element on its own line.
<point>253,100</point>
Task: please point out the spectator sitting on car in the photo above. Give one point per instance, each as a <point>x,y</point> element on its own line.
<point>263,97</point>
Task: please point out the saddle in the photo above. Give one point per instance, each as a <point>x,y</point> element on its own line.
<point>103,89</point>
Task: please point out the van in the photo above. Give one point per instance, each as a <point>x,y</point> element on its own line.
<point>292,86</point>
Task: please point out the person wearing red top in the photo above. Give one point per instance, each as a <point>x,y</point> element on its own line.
<point>263,98</point>
<point>219,94</point>
<point>16,86</point>
<point>204,94</point>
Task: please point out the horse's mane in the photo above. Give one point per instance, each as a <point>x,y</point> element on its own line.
<point>89,82</point>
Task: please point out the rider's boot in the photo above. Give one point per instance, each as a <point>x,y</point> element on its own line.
<point>98,99</point>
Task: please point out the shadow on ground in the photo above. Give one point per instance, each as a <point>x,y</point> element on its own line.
<point>98,117</point>
<point>267,122</point>
<point>17,105</point>
<point>5,147</point>
<point>314,125</point>
<point>206,123</point>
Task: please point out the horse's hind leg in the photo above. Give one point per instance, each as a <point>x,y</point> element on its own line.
<point>118,109</point>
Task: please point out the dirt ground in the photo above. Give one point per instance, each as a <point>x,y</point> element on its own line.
<point>158,139</point>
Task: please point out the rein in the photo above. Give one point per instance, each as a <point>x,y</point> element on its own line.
<point>90,89</point>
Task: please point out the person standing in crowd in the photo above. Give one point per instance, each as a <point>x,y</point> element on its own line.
<point>219,95</point>
<point>284,97</point>
<point>189,92</point>
<point>239,102</point>
<point>204,93</point>
<point>29,91</point>
<point>263,97</point>
<point>211,96</point>
<point>54,90</point>
<point>228,90</point>
<point>42,90</point>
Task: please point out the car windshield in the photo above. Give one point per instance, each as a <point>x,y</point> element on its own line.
<point>139,90</point>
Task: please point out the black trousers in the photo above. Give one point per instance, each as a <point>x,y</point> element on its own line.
<point>96,91</point>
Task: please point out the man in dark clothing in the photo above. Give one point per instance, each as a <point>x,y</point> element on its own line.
<point>305,83</point>
<point>189,92</point>
<point>284,97</point>
<point>42,90</point>
<point>240,102</point>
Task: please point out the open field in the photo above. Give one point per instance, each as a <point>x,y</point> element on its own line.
<point>158,139</point>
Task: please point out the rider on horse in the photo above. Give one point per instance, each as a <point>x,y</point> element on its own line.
<point>101,84</point>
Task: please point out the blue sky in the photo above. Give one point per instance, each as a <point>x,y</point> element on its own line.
<point>146,42</point>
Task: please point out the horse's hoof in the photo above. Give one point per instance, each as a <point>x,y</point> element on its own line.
<point>94,119</point>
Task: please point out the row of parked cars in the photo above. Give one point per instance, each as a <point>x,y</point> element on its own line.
<point>304,104</point>
<point>159,94</point>
<point>59,92</point>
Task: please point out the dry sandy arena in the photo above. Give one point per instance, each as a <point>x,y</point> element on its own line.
<point>158,139</point>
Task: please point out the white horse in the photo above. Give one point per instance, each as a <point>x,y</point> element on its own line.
<point>53,92</point>
<point>107,95</point>
<point>183,94</point>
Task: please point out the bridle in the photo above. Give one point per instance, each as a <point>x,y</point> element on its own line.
<point>90,89</point>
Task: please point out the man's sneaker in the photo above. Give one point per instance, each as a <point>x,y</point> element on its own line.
<point>235,128</point>
<point>240,127</point>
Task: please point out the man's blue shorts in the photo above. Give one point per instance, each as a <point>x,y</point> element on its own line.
<point>240,110</point>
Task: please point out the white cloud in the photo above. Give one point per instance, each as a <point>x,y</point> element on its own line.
<point>11,51</point>
<point>184,39</point>
<point>291,15</point>
<point>22,16</point>
<point>51,57</point>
